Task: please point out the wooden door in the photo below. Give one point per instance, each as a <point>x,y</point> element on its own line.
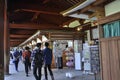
<point>110,58</point>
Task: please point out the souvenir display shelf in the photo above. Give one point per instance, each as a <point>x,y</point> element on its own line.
<point>69,58</point>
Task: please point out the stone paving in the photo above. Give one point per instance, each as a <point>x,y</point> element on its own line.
<point>59,74</point>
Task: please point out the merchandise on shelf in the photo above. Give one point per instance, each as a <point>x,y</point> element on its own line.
<point>69,57</point>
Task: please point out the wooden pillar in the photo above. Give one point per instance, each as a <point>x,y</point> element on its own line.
<point>3,27</point>
<point>51,46</point>
<point>6,42</point>
<point>51,42</point>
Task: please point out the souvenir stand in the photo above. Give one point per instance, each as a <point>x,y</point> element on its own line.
<point>69,57</point>
<point>58,48</point>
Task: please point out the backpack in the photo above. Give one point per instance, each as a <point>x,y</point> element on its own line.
<point>38,58</point>
<point>16,55</point>
<point>27,56</point>
<point>27,59</point>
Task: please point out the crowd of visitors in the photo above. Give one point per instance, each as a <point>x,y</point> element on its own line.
<point>37,57</point>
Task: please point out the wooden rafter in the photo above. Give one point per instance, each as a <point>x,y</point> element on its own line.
<point>84,9</point>
<point>74,6</point>
<point>45,1</point>
<point>16,40</point>
<point>70,2</point>
<point>67,33</point>
<point>99,12</point>
<point>61,35</point>
<point>37,7</point>
<point>35,16</point>
<point>110,18</point>
<point>90,8</point>
<point>22,31</point>
<point>43,12</point>
<point>53,39</point>
<point>73,1</point>
<point>19,36</point>
<point>92,15</point>
<point>69,21</point>
<point>32,26</point>
<point>100,8</point>
<point>14,43</point>
<point>98,2</point>
<point>38,27</point>
<point>72,36</point>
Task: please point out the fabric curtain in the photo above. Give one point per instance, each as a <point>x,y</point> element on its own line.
<point>111,29</point>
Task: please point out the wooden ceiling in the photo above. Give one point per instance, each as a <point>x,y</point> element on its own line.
<point>27,16</point>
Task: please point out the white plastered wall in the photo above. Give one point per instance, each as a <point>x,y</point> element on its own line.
<point>112,8</point>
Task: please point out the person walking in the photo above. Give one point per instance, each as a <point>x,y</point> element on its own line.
<point>47,53</point>
<point>26,59</point>
<point>16,56</point>
<point>37,58</point>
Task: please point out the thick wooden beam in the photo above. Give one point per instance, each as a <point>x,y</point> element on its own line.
<point>61,33</point>
<point>99,12</point>
<point>69,21</point>
<point>72,37</point>
<point>37,7</point>
<point>19,36</point>
<point>31,26</point>
<point>85,26</point>
<point>110,18</point>
<point>35,16</point>
<point>98,8</point>
<point>85,9</point>
<point>45,1</point>
<point>40,11</point>
<point>39,27</point>
<point>67,34</point>
<point>90,7</point>
<point>61,36</point>
<point>98,2</point>
<point>103,2</point>
<point>53,39</point>
<point>15,44</point>
<point>23,31</point>
<point>17,40</point>
<point>92,15</point>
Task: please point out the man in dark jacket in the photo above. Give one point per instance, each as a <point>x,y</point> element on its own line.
<point>47,52</point>
<point>16,56</point>
<point>37,65</point>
